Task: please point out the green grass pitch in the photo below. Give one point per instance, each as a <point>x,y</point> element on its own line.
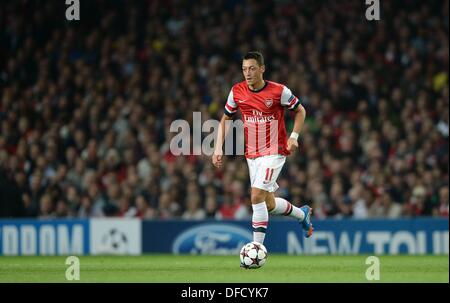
<point>171,268</point>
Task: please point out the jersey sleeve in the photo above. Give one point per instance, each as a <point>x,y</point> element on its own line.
<point>230,106</point>
<point>288,99</point>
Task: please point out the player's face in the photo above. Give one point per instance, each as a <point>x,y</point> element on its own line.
<point>252,71</point>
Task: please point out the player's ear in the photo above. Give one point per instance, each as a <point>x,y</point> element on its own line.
<point>263,68</point>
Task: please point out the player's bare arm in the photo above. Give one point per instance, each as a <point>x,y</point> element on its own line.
<point>221,134</point>
<point>299,120</point>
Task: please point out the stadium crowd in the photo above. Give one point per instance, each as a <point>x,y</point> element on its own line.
<point>86,106</point>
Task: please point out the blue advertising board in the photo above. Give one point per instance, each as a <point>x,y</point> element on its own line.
<point>116,236</point>
<point>344,237</point>
<point>44,237</point>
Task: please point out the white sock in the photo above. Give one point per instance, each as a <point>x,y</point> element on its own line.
<point>260,219</point>
<point>283,207</point>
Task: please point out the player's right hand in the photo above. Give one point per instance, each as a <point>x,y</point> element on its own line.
<point>217,159</point>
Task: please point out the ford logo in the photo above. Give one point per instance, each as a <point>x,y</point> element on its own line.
<point>212,239</point>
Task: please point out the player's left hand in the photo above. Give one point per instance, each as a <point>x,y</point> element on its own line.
<point>292,144</point>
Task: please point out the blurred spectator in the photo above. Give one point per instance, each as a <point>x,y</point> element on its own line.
<point>10,198</point>
<point>61,210</point>
<point>144,210</point>
<point>167,207</point>
<point>441,208</point>
<point>211,207</point>
<point>416,205</point>
<point>46,209</point>
<point>359,204</point>
<point>194,210</point>
<point>233,209</point>
<point>86,209</point>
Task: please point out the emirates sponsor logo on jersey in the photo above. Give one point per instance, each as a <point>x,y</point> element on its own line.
<point>269,102</point>
<point>259,119</point>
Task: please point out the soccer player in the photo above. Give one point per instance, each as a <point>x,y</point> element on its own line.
<point>262,105</point>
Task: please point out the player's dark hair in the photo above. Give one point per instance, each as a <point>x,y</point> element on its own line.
<point>255,55</point>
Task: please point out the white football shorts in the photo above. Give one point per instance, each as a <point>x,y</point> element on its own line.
<point>264,171</point>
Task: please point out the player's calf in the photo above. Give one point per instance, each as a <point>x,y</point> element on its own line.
<point>302,214</point>
<point>285,208</point>
<point>260,217</point>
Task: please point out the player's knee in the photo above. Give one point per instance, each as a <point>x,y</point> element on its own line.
<point>258,195</point>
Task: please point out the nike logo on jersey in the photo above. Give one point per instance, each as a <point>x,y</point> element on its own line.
<point>241,101</point>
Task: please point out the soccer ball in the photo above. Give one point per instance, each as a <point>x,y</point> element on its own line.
<point>253,255</point>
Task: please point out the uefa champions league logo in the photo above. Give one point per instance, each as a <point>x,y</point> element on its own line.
<point>114,241</point>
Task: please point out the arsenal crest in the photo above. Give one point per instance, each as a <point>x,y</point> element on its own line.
<point>269,102</point>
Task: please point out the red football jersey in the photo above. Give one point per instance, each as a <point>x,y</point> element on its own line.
<point>263,116</point>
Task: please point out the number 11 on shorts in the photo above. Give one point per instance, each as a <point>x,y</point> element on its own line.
<point>269,173</point>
